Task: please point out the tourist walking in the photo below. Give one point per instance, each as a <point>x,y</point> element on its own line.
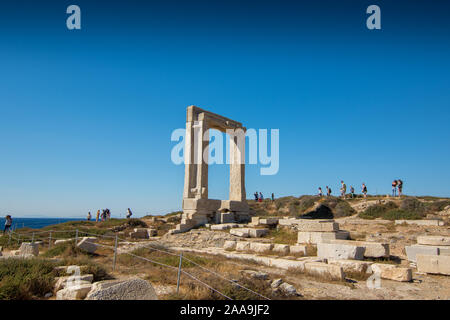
<point>364,190</point>
<point>273,197</point>
<point>328,191</point>
<point>343,189</point>
<point>129,213</point>
<point>400,187</point>
<point>394,188</point>
<point>8,223</point>
<point>320,194</point>
<point>89,216</point>
<point>98,215</point>
<point>108,214</point>
<point>103,218</point>
<point>261,198</point>
<point>256,195</point>
<point>352,191</point>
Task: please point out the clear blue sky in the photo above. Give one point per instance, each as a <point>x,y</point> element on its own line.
<point>86,116</point>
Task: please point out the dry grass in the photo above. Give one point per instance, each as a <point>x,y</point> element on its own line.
<point>189,288</point>
<point>283,236</point>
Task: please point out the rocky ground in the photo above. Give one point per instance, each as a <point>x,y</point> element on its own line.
<point>273,282</point>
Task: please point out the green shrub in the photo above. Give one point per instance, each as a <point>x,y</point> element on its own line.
<point>283,236</point>
<point>65,249</point>
<point>282,202</point>
<point>436,206</point>
<point>414,206</point>
<point>397,214</point>
<point>343,209</point>
<point>23,279</point>
<point>306,202</point>
<point>136,223</point>
<point>377,210</point>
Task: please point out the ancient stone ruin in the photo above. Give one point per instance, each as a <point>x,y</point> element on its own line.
<point>198,209</point>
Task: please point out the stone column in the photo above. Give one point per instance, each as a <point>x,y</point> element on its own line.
<point>201,144</point>
<point>190,169</point>
<point>237,166</point>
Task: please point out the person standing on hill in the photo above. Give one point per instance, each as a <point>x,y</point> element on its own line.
<point>400,187</point>
<point>273,197</point>
<point>343,189</point>
<point>352,191</point>
<point>89,216</point>
<point>108,214</point>
<point>98,215</point>
<point>129,213</point>
<point>328,191</point>
<point>261,198</point>
<point>320,194</point>
<point>394,188</point>
<point>256,195</point>
<point>8,223</point>
<point>364,190</point>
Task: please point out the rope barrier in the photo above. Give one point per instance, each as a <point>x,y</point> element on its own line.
<point>184,272</point>
<point>24,236</point>
<point>220,276</point>
<point>190,275</point>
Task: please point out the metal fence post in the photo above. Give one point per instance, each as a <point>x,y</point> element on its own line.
<point>115,254</point>
<point>50,240</point>
<point>179,272</point>
<point>32,238</point>
<point>76,237</point>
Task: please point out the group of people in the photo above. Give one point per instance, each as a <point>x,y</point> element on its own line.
<point>397,184</point>
<point>8,223</point>
<point>259,196</point>
<point>106,215</point>
<point>343,190</point>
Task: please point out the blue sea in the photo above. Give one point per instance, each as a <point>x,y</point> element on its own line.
<point>35,223</point>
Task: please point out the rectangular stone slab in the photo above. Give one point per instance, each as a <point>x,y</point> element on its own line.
<point>421,222</point>
<point>242,246</point>
<point>340,251</point>
<point>434,240</point>
<point>392,272</point>
<point>256,233</point>
<point>281,248</point>
<point>433,264</point>
<point>298,249</point>
<point>313,226</point>
<point>268,221</point>
<point>373,249</point>
<point>319,237</point>
<point>260,247</point>
<point>240,232</point>
<point>414,250</point>
<point>324,270</point>
<point>352,266</point>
